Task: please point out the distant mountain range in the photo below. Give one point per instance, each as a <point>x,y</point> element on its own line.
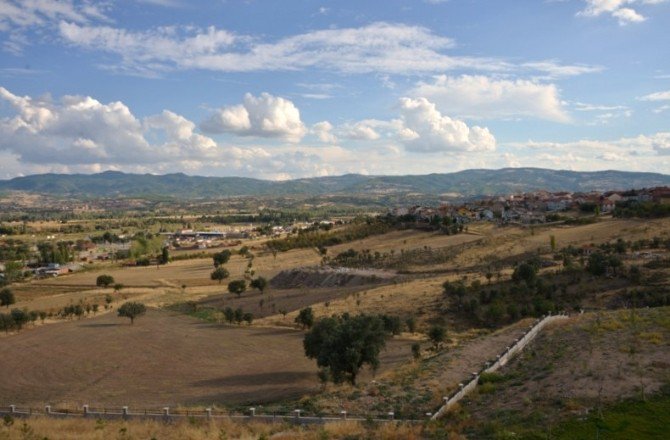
<point>469,183</point>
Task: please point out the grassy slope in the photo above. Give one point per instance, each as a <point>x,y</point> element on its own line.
<point>633,419</point>
<point>573,378</point>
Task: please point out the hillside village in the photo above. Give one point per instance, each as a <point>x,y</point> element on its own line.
<point>535,207</point>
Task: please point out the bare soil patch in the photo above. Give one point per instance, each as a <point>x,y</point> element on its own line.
<point>329,277</point>
<point>163,359</point>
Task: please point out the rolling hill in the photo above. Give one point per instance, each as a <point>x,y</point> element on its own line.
<point>468,183</point>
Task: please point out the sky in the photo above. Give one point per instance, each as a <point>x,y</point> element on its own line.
<point>303,88</point>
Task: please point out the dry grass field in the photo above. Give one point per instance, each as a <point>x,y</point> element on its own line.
<point>511,241</point>
<point>163,359</point>
<point>406,239</point>
<point>87,429</point>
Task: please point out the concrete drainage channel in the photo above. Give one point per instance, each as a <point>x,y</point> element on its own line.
<point>500,361</point>
<point>296,417</point>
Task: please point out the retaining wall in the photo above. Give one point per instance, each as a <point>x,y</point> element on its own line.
<point>500,361</point>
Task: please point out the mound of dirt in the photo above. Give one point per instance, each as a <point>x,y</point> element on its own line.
<point>328,277</point>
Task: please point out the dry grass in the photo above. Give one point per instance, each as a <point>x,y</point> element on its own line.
<point>407,240</point>
<point>163,359</point>
<point>588,359</point>
<point>80,429</point>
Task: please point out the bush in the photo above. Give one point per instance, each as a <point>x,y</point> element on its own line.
<point>305,318</point>
<point>437,334</point>
<point>104,280</point>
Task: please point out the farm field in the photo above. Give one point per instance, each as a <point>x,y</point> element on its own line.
<point>163,359</point>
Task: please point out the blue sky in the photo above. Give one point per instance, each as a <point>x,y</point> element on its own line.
<point>298,88</point>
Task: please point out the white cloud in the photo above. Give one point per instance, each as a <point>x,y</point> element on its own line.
<point>150,51</point>
<point>424,129</point>
<point>638,146</point>
<point>628,15</point>
<point>18,15</point>
<point>81,134</point>
<point>324,131</point>
<point>660,142</point>
<point>27,13</point>
<point>77,129</point>
<point>585,107</point>
<point>482,97</point>
<point>661,109</point>
<point>384,48</point>
<point>363,130</point>
<point>620,9</point>
<point>555,69</point>
<point>658,96</point>
<point>81,131</point>
<point>264,116</point>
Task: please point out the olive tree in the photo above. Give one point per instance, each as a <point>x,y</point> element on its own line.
<point>7,297</point>
<point>237,287</point>
<point>132,310</point>
<point>219,274</point>
<point>104,280</point>
<point>259,283</point>
<point>437,334</point>
<point>221,258</point>
<point>305,318</point>
<point>341,345</point>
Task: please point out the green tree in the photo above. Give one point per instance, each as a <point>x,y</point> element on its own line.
<point>219,274</point>
<point>104,280</point>
<point>634,274</point>
<point>6,322</point>
<point>221,258</point>
<point>248,318</point>
<point>229,314</point>
<point>78,311</point>
<point>20,317</point>
<point>341,345</point>
<point>7,297</point>
<point>132,310</point>
<point>165,256</point>
<point>392,324</point>
<point>456,289</point>
<point>237,287</point>
<point>239,315</point>
<point>305,318</point>
<point>259,283</point>
<point>525,272</point>
<point>416,350</point>
<point>597,264</point>
<point>410,322</point>
<point>437,334</point>
<point>13,271</point>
